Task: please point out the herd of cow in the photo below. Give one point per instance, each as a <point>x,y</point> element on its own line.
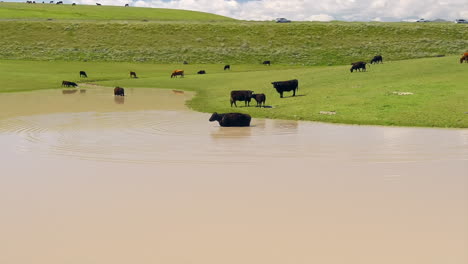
<point>239,119</point>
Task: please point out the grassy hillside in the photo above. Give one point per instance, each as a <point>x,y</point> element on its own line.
<point>86,12</point>
<point>105,33</point>
<point>439,98</point>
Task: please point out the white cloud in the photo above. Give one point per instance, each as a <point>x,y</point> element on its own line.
<point>324,10</point>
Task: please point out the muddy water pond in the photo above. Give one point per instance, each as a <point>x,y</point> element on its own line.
<point>87,177</point>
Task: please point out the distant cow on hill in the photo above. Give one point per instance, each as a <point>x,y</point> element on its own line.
<point>83,74</point>
<point>133,75</point>
<point>119,91</point>
<point>231,119</point>
<point>360,65</point>
<point>266,63</point>
<point>260,99</point>
<point>241,95</point>
<point>98,4</point>
<point>286,86</point>
<point>126,5</point>
<point>227,67</point>
<point>68,84</point>
<point>59,3</point>
<point>377,59</point>
<point>73,4</point>
<point>201,72</point>
<point>177,73</point>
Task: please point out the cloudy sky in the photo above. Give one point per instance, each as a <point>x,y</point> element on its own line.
<point>321,10</point>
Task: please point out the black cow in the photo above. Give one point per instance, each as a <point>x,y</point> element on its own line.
<point>185,62</point>
<point>231,119</point>
<point>259,98</point>
<point>133,75</point>
<point>68,84</point>
<point>266,63</point>
<point>126,5</point>
<point>59,3</point>
<point>286,86</point>
<point>119,91</point>
<point>241,95</point>
<point>376,59</point>
<point>201,72</point>
<point>83,74</point>
<point>98,4</point>
<point>73,4</point>
<point>358,66</point>
<point>227,67</point>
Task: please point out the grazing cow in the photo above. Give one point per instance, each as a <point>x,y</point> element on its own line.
<point>266,63</point>
<point>177,73</point>
<point>286,86</point>
<point>68,84</point>
<point>119,91</point>
<point>376,59</point>
<point>259,98</point>
<point>231,119</point>
<point>126,5</point>
<point>227,67</point>
<point>73,4</point>
<point>358,66</point>
<point>133,75</point>
<point>59,3</point>
<point>185,62</point>
<point>98,4</point>
<point>83,74</point>
<point>201,72</point>
<point>241,95</point>
<point>464,58</point>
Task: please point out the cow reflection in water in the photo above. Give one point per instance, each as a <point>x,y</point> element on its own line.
<point>119,99</point>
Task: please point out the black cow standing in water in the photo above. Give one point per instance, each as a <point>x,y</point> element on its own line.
<point>286,86</point>
<point>377,59</point>
<point>241,95</point>
<point>119,91</point>
<point>83,74</point>
<point>227,67</point>
<point>231,119</point>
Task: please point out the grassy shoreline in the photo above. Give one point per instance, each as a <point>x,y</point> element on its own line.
<point>439,99</point>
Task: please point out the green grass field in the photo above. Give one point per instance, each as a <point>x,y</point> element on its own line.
<point>440,98</point>
<point>104,33</point>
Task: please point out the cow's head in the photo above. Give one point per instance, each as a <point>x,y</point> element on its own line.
<point>214,117</point>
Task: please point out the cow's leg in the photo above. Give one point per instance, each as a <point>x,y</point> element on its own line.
<point>281,94</point>
<point>294,92</point>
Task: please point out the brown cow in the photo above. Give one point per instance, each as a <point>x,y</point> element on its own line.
<point>464,58</point>
<point>177,72</point>
<point>133,75</point>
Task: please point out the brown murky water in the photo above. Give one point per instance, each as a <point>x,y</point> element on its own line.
<point>90,178</point>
